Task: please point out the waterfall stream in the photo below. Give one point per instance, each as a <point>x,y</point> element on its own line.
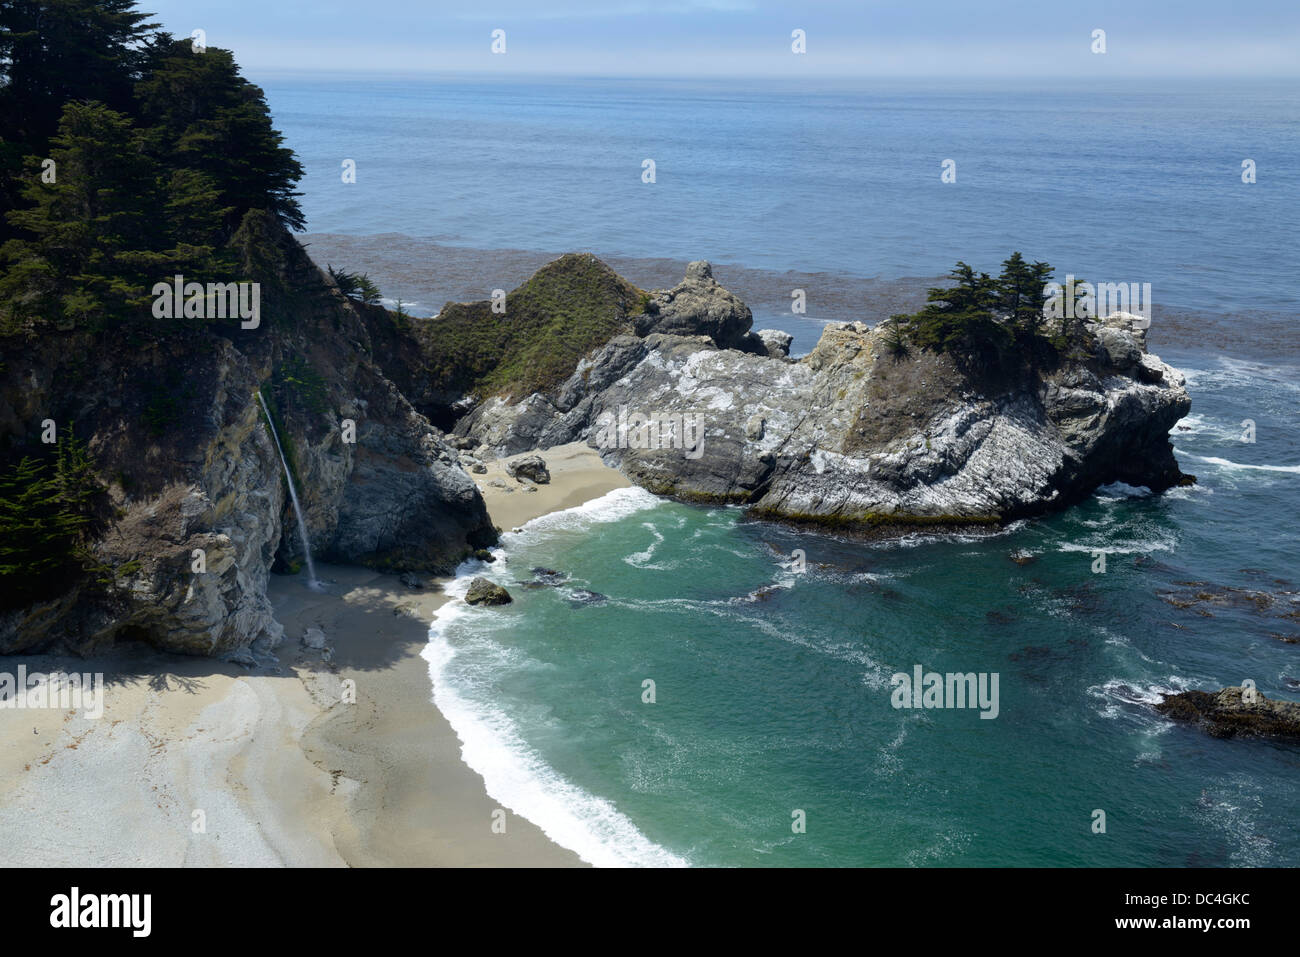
<point>293,493</point>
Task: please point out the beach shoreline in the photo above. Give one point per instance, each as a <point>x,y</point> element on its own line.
<point>327,752</point>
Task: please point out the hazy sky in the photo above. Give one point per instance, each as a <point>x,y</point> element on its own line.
<point>752,37</point>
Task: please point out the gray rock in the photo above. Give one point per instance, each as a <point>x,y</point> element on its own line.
<point>580,597</point>
<point>699,269</point>
<point>775,342</point>
<point>531,467</point>
<point>314,638</point>
<point>483,592</point>
<point>1118,347</point>
<point>1150,369</point>
<point>698,306</point>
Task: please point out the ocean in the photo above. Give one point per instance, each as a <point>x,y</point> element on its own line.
<point>768,733</point>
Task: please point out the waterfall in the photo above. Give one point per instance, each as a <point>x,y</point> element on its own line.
<point>297,506</point>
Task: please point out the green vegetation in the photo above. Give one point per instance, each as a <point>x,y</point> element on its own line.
<point>47,510</point>
<point>995,324</point>
<point>568,308</point>
<point>127,158</point>
<point>356,286</point>
<point>303,383</point>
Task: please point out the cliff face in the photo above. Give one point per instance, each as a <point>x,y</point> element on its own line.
<point>851,435</point>
<point>182,448</point>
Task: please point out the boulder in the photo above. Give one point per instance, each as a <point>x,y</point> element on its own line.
<point>775,342</point>
<point>483,592</point>
<point>1118,347</point>
<point>531,467</point>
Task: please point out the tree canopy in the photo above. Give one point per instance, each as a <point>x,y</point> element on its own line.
<point>126,156</point>
<point>997,323</point>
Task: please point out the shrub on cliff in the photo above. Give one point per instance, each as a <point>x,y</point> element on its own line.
<point>356,286</point>
<point>47,508</point>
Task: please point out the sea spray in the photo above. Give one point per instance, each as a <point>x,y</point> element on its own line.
<point>293,494</point>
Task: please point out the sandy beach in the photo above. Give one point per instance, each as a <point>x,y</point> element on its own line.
<point>314,756</point>
<point>577,476</point>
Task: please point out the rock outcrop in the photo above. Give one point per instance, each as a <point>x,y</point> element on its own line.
<point>698,306</point>
<point>1235,712</point>
<point>852,435</point>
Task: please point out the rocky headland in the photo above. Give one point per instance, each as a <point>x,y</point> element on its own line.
<point>854,435</point>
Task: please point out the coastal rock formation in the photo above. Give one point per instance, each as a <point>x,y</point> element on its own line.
<point>1234,712</point>
<point>194,506</point>
<point>853,435</point>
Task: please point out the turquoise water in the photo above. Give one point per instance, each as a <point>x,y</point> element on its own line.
<point>773,688</point>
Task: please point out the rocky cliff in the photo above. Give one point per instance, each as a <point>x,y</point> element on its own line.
<point>191,479</point>
<point>855,435</point>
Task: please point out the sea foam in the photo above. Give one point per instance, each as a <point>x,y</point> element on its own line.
<point>514,773</point>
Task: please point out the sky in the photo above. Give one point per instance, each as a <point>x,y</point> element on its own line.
<point>905,38</point>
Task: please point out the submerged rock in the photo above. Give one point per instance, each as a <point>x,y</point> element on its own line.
<point>483,592</point>
<point>583,596</point>
<point>549,576</point>
<point>1233,712</point>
